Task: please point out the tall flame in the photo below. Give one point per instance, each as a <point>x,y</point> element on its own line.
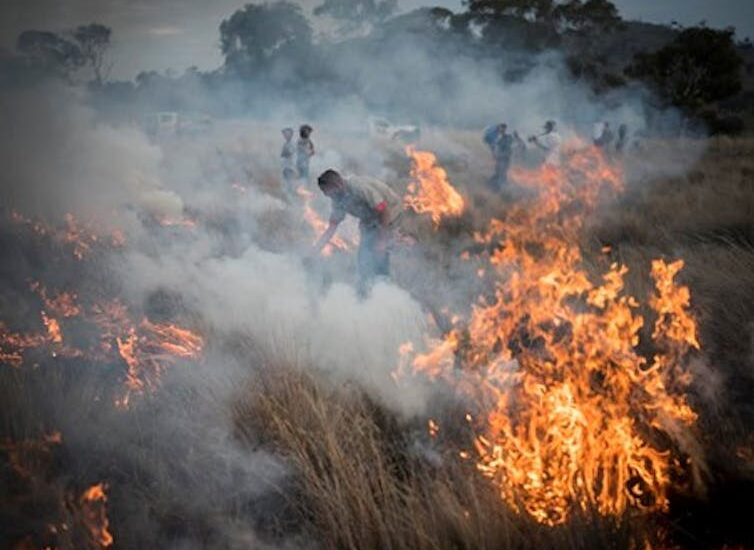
<point>319,225</point>
<point>430,191</point>
<point>552,357</point>
<point>94,507</point>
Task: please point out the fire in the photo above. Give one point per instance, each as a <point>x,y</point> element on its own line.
<point>571,405</point>
<point>430,191</point>
<point>94,508</point>
<point>319,225</point>
<point>53,329</point>
<point>166,221</point>
<point>63,304</point>
<point>81,237</point>
<point>29,455</point>
<point>13,345</point>
<point>148,349</point>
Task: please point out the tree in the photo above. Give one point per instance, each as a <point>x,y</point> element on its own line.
<point>93,41</point>
<point>587,16</point>
<point>355,13</point>
<point>580,15</point>
<point>699,66</point>
<point>65,55</point>
<point>50,52</point>
<point>258,34</point>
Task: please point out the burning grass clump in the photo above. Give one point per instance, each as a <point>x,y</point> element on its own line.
<point>366,479</point>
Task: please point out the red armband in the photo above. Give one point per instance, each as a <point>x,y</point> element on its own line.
<point>381,207</point>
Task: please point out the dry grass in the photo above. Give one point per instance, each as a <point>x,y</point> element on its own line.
<point>365,481</point>
<point>363,478</point>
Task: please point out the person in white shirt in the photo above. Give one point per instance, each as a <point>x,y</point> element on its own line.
<point>378,209</point>
<point>549,142</point>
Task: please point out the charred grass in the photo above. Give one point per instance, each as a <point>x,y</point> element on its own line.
<point>361,477</point>
<point>362,483</point>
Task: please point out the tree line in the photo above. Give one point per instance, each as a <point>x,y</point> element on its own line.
<point>272,45</point>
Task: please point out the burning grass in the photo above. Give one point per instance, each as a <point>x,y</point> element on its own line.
<point>365,479</point>
<point>600,318</point>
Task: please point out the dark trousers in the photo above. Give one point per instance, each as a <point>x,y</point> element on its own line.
<point>499,179</point>
<point>372,262</point>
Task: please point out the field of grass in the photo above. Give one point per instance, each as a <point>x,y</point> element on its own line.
<point>362,482</point>
<point>341,470</point>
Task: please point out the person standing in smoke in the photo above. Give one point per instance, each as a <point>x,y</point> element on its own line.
<point>491,135</point>
<point>288,160</point>
<point>304,151</point>
<point>620,144</point>
<point>502,151</point>
<point>549,142</point>
<point>378,209</point>
<point>603,135</point>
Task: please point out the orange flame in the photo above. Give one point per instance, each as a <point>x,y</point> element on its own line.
<point>53,329</point>
<point>148,350</point>
<point>166,221</point>
<point>430,191</point>
<point>13,345</point>
<point>80,236</point>
<point>63,304</point>
<point>553,359</point>
<point>319,225</point>
<point>94,507</point>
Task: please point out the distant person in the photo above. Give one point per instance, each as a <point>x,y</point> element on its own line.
<point>622,142</point>
<point>491,135</point>
<point>502,151</point>
<point>603,135</point>
<point>378,209</point>
<point>288,159</point>
<point>549,142</point>
<point>304,151</point>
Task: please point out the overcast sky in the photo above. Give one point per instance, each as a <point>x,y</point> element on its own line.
<point>177,34</point>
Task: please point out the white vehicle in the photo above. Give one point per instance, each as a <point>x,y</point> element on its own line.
<point>166,123</point>
<point>169,123</point>
<point>380,128</point>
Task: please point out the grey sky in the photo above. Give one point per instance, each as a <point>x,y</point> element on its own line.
<point>162,34</point>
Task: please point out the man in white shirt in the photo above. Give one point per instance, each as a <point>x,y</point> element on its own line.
<point>549,142</point>
<point>378,209</point>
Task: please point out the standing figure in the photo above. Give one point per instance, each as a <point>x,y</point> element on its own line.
<point>491,135</point>
<point>549,142</point>
<point>378,209</point>
<point>620,145</point>
<point>304,151</point>
<point>502,151</point>
<point>603,135</point>
<point>288,160</point>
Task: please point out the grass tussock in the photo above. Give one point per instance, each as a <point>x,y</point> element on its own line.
<point>365,481</point>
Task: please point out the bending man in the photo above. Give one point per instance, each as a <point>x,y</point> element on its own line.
<point>378,209</point>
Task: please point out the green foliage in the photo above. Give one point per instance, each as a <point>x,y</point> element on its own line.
<point>700,66</point>
<point>50,52</point>
<point>589,15</point>
<point>93,41</point>
<point>259,33</point>
<point>357,11</point>
<point>579,15</point>
<point>63,56</point>
<point>533,10</point>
